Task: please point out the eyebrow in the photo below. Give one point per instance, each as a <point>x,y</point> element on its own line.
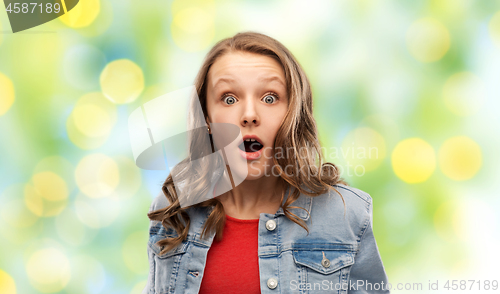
<point>266,79</point>
<point>273,78</point>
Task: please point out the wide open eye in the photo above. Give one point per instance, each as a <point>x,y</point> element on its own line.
<point>229,100</point>
<point>270,99</point>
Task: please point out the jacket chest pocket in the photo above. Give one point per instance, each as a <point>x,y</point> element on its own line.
<point>166,266</point>
<point>323,267</point>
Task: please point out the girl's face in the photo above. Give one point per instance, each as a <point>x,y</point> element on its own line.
<point>249,90</point>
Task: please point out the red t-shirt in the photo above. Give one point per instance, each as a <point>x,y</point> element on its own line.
<point>232,264</point>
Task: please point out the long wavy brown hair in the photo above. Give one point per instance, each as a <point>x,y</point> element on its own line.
<point>298,132</point>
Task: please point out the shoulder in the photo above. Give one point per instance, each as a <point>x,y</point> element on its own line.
<point>156,228</point>
<point>342,196</point>
<point>356,198</point>
<point>194,212</point>
<point>354,192</point>
<point>159,202</point>
<point>348,207</point>
<point>197,216</point>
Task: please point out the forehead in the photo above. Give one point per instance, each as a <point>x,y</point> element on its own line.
<point>237,67</point>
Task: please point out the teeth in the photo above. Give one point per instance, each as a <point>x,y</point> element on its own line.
<point>253,140</point>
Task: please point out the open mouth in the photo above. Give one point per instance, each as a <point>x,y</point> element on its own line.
<point>250,145</point>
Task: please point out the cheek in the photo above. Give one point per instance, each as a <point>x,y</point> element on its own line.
<point>221,116</point>
<point>273,124</point>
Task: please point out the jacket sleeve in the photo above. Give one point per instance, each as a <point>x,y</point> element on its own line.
<point>367,273</point>
<point>159,202</point>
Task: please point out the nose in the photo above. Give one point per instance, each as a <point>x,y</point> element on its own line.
<point>250,116</point>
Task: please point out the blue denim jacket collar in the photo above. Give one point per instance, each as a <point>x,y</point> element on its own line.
<point>303,201</point>
<point>197,222</point>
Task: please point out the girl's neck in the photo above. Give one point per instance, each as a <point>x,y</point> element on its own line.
<point>251,198</point>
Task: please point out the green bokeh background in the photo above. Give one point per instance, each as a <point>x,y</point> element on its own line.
<point>382,72</point>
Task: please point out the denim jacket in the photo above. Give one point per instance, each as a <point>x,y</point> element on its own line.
<point>339,255</point>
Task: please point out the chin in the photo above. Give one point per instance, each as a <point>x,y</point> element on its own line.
<point>257,170</point>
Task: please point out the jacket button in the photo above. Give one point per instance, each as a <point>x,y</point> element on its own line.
<point>325,262</point>
<point>272,283</point>
<point>271,225</point>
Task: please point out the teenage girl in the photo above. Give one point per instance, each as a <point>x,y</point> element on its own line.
<point>292,225</point>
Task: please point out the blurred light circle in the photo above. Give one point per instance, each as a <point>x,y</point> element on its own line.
<point>82,64</point>
<point>91,121</point>
<point>89,275</point>
<point>413,160</point>
<point>48,270</point>
<point>50,186</point>
<point>97,212</point>
<point>80,139</point>
<point>193,29</point>
<point>59,166</point>
<point>428,40</point>
<point>460,158</point>
<point>364,147</point>
<point>494,28</point>
<point>132,253</point>
<point>464,93</point>
<point>46,194</point>
<point>97,175</point>
<point>72,230</point>
<point>34,200</point>
<point>101,23</point>
<point>6,93</point>
<point>7,284</point>
<point>87,214</point>
<point>82,15</point>
<point>122,81</point>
